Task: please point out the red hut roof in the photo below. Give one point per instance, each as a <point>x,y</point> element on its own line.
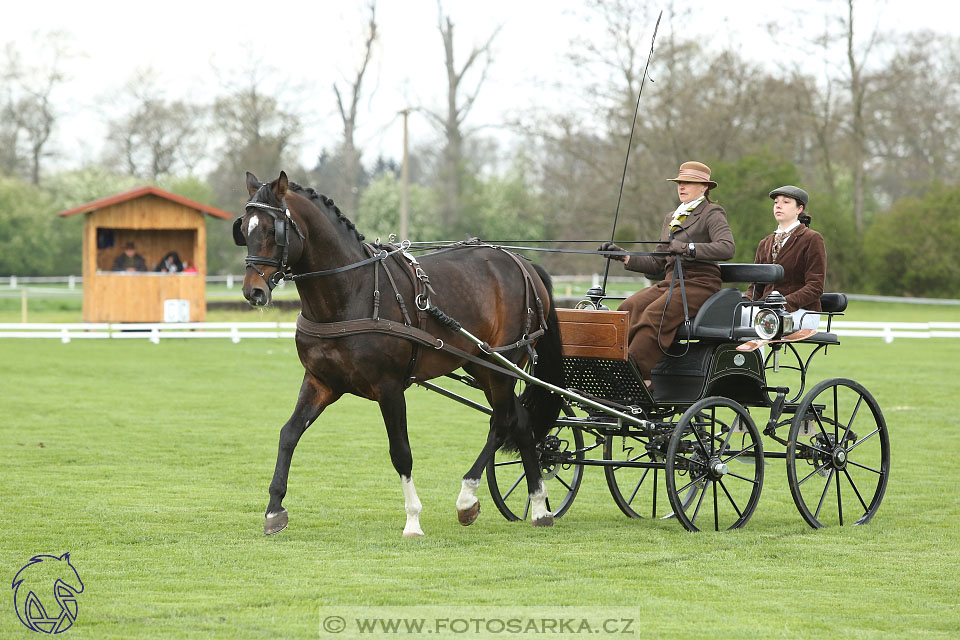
<point>143,191</point>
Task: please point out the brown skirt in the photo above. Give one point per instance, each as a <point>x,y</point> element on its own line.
<point>652,324</point>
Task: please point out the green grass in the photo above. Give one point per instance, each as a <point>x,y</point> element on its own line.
<point>150,464</point>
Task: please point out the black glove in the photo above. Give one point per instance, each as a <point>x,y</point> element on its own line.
<point>609,246</point>
<point>679,248</point>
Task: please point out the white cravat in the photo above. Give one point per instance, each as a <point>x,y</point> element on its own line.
<point>686,207</point>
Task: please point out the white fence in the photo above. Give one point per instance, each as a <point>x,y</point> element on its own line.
<point>234,331</point>
<point>237,331</point>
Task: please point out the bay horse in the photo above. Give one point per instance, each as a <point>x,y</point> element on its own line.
<point>353,341</point>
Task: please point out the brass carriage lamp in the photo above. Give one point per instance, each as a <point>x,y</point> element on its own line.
<point>773,321</point>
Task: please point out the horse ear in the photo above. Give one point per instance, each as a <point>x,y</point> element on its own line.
<point>252,183</point>
<point>282,185</point>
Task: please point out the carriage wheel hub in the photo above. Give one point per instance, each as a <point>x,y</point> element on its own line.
<point>717,468</point>
<point>840,457</point>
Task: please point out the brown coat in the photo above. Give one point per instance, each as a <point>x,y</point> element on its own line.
<point>804,260</point>
<point>707,228</point>
<point>652,323</point>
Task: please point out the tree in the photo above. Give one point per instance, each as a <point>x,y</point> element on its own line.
<point>450,122</point>
<point>912,246</point>
<point>914,138</point>
<point>351,170</point>
<point>156,137</point>
<point>29,102</point>
<point>380,210</point>
<point>25,216</point>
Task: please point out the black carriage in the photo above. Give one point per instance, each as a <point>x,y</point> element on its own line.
<point>697,438</point>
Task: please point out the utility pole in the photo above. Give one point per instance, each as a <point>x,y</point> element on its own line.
<point>404,181</point>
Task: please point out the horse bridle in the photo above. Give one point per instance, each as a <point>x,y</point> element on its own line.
<point>281,236</point>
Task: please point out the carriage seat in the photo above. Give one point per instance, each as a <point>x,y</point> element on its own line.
<point>713,320</point>
<point>721,311</point>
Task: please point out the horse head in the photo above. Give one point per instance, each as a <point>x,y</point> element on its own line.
<point>272,237</point>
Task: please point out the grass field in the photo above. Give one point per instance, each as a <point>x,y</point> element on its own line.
<point>150,464</point>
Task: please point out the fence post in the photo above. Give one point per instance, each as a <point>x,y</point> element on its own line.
<point>13,282</point>
<point>229,281</point>
<point>72,282</point>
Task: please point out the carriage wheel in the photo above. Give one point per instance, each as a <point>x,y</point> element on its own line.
<point>640,492</point>
<point>507,480</point>
<point>708,451</point>
<point>838,454</point>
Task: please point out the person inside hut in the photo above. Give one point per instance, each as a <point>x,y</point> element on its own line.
<point>801,252</point>
<point>170,263</point>
<point>697,234</point>
<point>129,260</point>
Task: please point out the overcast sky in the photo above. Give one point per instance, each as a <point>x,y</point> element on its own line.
<point>314,43</point>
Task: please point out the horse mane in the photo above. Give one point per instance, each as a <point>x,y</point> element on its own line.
<point>311,194</point>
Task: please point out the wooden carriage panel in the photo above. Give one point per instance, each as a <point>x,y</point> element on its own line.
<point>589,333</point>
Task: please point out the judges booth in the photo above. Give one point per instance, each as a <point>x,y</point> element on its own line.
<point>158,223</point>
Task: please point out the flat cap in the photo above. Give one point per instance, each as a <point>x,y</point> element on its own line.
<point>791,191</point>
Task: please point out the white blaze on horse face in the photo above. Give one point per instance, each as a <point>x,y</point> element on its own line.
<point>538,504</point>
<point>254,222</point>
<point>411,504</point>
<point>467,497</point>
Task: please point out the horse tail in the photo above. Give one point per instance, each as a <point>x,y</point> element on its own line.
<point>543,405</point>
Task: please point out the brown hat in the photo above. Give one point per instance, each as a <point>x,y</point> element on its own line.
<point>694,172</point>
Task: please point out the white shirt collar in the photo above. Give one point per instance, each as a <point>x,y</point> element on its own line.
<point>788,230</point>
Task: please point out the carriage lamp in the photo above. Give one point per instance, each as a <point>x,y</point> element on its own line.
<point>773,321</point>
<point>593,300</point>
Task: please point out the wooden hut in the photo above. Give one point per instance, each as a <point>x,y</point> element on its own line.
<point>157,222</point>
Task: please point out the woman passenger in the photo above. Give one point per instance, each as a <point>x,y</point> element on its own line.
<point>801,252</point>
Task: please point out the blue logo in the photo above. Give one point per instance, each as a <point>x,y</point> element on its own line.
<point>45,593</point>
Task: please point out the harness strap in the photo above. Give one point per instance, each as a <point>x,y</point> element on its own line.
<point>383,254</point>
<point>389,327</point>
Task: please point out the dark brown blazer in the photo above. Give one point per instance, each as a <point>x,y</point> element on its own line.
<point>804,260</point>
<point>706,227</point>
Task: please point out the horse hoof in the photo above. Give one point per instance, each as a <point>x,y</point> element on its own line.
<point>413,534</point>
<point>467,516</point>
<point>545,521</point>
<point>275,522</point>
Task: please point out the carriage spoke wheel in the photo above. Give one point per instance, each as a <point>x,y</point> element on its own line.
<point>639,492</point>
<point>507,480</point>
<point>716,448</point>
<point>838,456</point>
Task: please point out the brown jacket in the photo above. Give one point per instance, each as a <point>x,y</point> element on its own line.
<point>706,227</point>
<point>804,260</point>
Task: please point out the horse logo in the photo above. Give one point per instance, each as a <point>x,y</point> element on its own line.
<point>46,575</point>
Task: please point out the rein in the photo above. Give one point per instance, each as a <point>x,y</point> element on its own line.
<point>383,254</point>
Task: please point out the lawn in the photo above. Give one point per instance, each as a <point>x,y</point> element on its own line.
<point>150,465</point>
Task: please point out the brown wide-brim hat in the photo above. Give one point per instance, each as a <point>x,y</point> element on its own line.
<point>694,172</point>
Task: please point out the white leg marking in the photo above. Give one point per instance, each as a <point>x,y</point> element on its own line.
<point>254,221</point>
<point>538,504</point>
<point>411,504</point>
<point>468,494</point>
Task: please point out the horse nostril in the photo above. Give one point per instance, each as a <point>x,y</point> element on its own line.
<point>258,297</point>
